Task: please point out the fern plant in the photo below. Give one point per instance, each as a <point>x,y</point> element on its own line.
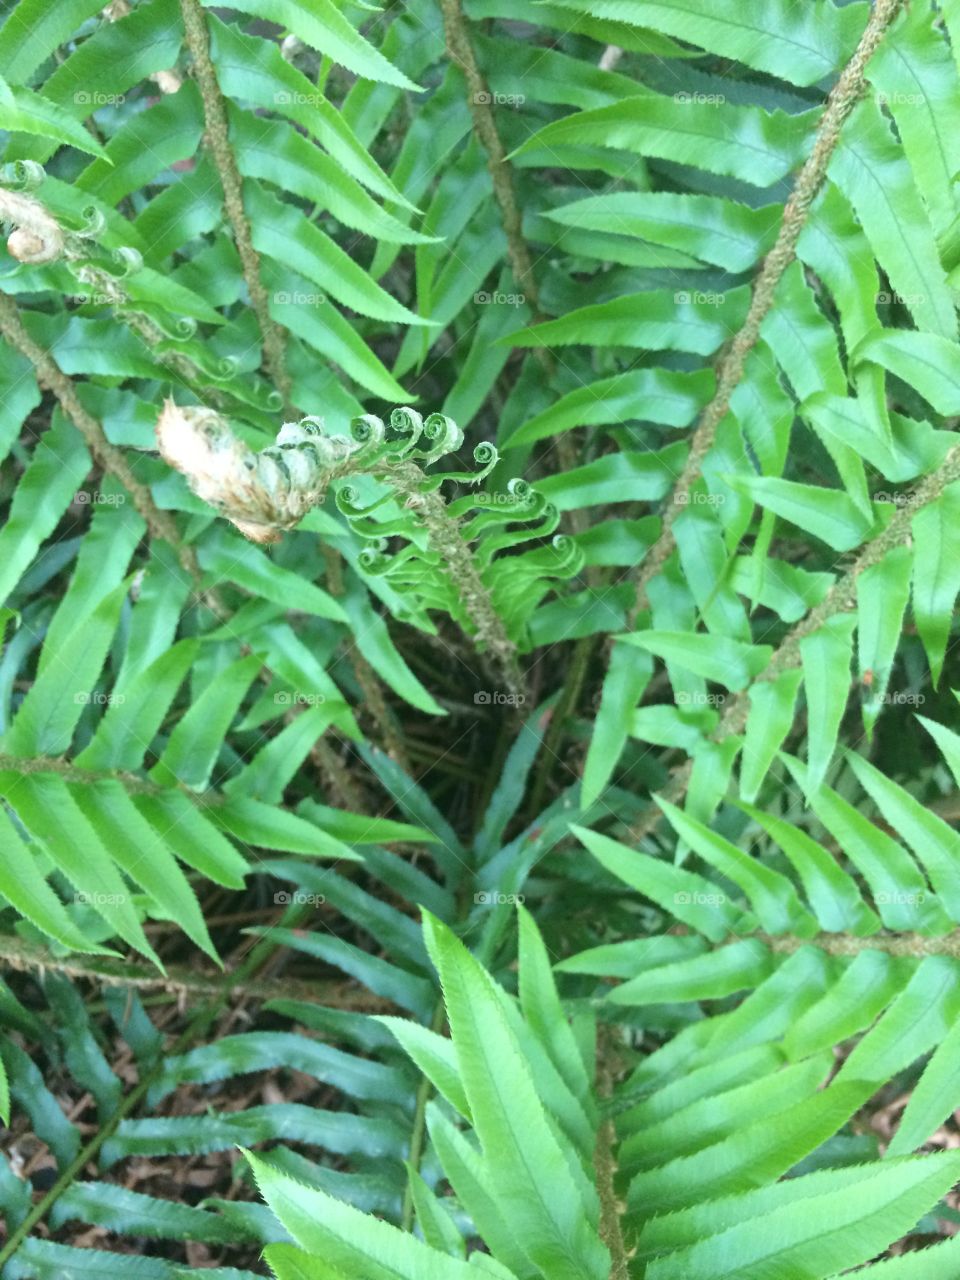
<point>477,758</point>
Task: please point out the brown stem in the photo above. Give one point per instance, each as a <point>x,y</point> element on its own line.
<point>605,1166</point>
<point>445,538</point>
<point>337,776</point>
<point>842,100</point>
<point>181,980</point>
<point>841,598</point>
<point>560,719</point>
<point>72,773</point>
<point>847,944</point>
<point>217,138</point>
<point>480,102</point>
<point>109,458</point>
<point>370,686</point>
<point>376,704</point>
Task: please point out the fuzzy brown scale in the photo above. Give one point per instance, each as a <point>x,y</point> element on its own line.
<point>263,493</point>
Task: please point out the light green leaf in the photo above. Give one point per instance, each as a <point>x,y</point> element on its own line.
<point>34,30</point>
<point>320,24</point>
<point>661,319</point>
<point>823,1234</point>
<point>685,895</point>
<point>826,656</point>
<point>739,142</point>
<point>732,663</point>
<point>355,1243</point>
<point>800,47</point>
<point>540,1198</point>
<point>771,714</point>
<point>871,171</point>
<point>195,743</point>
<point>722,232</point>
<point>936,572</point>
<point>23,111</point>
<point>826,513</point>
<point>882,594</point>
<point>654,395</point>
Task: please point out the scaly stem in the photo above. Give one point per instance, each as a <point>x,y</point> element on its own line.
<point>480,102</point>
<point>73,773</point>
<point>181,980</point>
<point>445,538</point>
<point>841,102</point>
<point>336,775</point>
<point>109,458</point>
<point>605,1167</point>
<point>370,687</point>
<point>559,718</point>
<point>841,598</point>
<point>847,944</point>
<point>217,137</point>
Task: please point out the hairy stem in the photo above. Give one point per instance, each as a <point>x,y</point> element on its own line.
<point>217,137</point>
<point>480,102</point>
<point>337,777</point>
<point>376,704</point>
<point>847,944</point>
<point>109,458</point>
<point>182,980</point>
<point>374,699</point>
<point>906,945</point>
<point>605,1165</point>
<point>841,598</point>
<point>841,102</point>
<point>73,773</point>
<point>445,538</point>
